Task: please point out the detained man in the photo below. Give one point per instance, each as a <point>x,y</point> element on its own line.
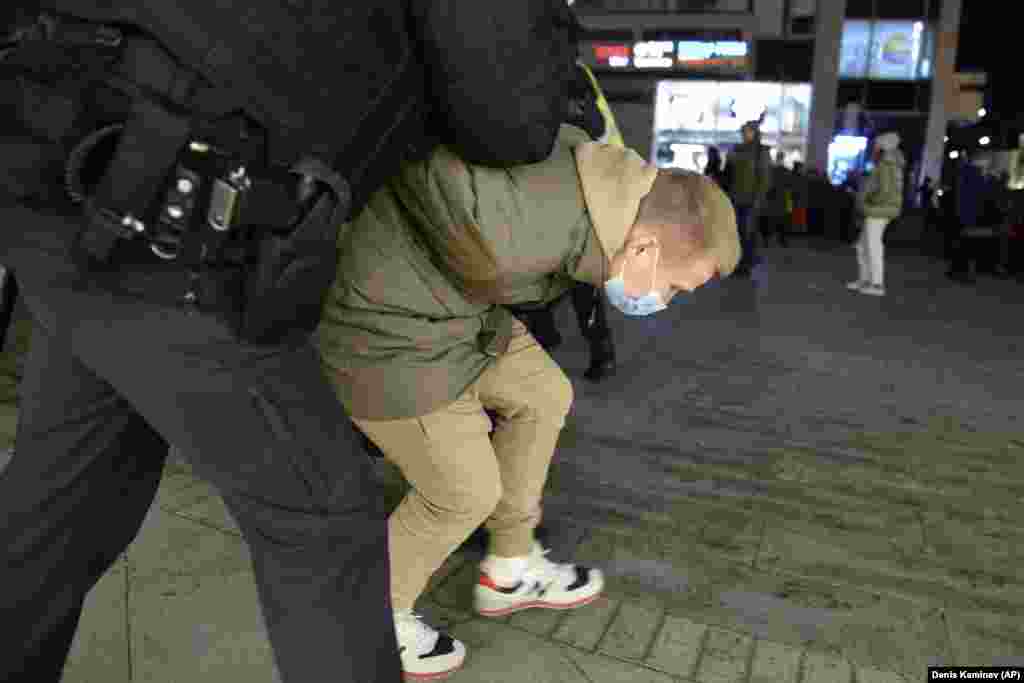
<point>419,345</point>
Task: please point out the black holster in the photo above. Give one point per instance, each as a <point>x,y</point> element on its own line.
<point>290,274</point>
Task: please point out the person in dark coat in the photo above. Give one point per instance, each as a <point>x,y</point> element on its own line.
<point>971,190</point>
<point>713,169</point>
<point>116,373</point>
<point>748,171</point>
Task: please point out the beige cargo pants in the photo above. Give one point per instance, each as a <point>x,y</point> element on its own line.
<point>461,475</point>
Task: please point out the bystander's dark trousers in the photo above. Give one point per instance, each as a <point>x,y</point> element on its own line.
<point>951,229</point>
<point>109,381</point>
<point>591,315</point>
<point>746,224</point>
<point>777,226</point>
<point>8,299</point>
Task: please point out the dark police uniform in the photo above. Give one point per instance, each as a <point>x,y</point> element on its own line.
<point>122,364</point>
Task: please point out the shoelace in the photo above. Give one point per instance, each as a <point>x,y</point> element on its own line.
<point>411,628</point>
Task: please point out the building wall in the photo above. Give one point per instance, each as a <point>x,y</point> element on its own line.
<point>636,118</point>
<point>766,21</point>
<point>947,40</point>
<point>966,96</point>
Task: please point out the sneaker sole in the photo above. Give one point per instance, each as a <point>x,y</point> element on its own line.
<point>439,676</point>
<point>541,604</point>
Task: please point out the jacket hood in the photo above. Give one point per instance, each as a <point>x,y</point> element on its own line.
<point>888,141</point>
<point>614,181</point>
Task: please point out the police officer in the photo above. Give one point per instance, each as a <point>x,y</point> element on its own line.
<point>165,188</point>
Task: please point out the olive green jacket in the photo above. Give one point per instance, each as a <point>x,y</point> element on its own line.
<point>749,170</point>
<point>882,193</point>
<point>398,339</point>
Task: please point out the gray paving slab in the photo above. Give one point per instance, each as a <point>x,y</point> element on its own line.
<point>725,657</point>
<point>101,649</point>
<point>876,676</point>
<point>180,555</point>
<point>584,628</point>
<point>986,639</point>
<point>214,633</point>
<point>774,663</point>
<point>631,632</point>
<point>677,646</point>
<point>498,653</point>
<point>826,668</point>
<point>539,622</point>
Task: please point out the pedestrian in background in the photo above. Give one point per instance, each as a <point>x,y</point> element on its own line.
<point>713,168</point>
<point>777,213</point>
<point>748,170</point>
<point>880,200</point>
<point>968,203</point>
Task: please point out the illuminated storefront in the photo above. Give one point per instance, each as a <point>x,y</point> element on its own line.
<point>692,115</point>
<point>891,59</point>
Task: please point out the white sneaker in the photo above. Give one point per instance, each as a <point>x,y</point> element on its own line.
<point>427,655</point>
<point>544,584</point>
<point>873,290</point>
<point>856,286</point>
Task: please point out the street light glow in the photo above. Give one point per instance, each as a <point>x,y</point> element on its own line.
<point>983,112</point>
<point>954,154</point>
<point>984,141</point>
<point>945,139</point>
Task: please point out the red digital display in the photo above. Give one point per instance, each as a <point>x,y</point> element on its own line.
<point>612,54</point>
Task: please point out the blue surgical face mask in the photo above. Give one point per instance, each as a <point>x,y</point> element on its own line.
<point>648,304</point>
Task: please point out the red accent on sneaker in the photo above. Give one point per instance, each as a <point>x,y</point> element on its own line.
<point>543,604</point>
<point>488,582</point>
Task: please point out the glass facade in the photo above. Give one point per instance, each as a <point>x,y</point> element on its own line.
<point>886,50</point>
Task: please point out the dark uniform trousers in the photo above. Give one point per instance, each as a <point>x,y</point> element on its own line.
<point>591,315</point>
<point>109,382</point>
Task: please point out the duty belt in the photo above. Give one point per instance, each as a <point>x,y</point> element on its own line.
<point>164,181</point>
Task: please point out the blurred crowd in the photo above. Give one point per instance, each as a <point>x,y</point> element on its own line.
<point>975,215</point>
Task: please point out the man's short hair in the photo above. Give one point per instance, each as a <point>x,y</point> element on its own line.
<point>698,212</point>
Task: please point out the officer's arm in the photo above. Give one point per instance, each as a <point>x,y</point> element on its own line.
<point>498,73</point>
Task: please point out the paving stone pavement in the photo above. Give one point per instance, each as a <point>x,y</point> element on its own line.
<point>785,482</point>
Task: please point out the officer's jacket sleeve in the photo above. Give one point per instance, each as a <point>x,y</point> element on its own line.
<point>499,75</point>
